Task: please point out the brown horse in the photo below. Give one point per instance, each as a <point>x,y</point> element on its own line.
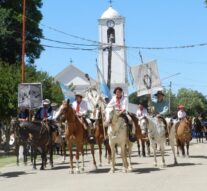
<point>183,135</point>
<point>75,135</point>
<point>142,136</point>
<point>101,136</point>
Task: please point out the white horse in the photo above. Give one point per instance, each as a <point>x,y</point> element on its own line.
<point>118,134</point>
<point>156,133</point>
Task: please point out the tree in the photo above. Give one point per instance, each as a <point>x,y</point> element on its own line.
<point>195,103</point>
<point>11,27</point>
<point>138,100</point>
<point>10,76</point>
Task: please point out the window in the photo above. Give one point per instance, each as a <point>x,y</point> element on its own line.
<point>111,34</point>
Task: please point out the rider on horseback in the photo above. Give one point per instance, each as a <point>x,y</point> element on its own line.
<point>161,108</point>
<point>81,108</point>
<point>121,103</point>
<point>181,112</point>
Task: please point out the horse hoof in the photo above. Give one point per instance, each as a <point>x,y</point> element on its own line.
<point>124,170</point>
<point>82,169</point>
<point>34,168</point>
<point>41,168</point>
<point>95,167</point>
<point>71,172</point>
<point>155,164</point>
<point>77,171</point>
<point>100,165</point>
<point>130,168</point>
<point>164,166</point>
<point>112,170</point>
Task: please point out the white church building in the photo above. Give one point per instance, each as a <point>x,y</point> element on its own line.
<point>111,27</point>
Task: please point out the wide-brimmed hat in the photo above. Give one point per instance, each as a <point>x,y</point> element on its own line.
<point>118,88</point>
<point>46,102</point>
<point>159,93</point>
<point>79,94</point>
<point>54,104</point>
<point>181,106</point>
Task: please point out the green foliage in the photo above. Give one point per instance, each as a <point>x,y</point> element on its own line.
<point>195,103</point>
<point>10,77</point>
<point>11,28</point>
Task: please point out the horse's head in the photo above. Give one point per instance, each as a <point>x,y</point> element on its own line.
<point>110,114</point>
<point>65,112</point>
<point>143,122</point>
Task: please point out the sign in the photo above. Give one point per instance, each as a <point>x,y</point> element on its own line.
<point>30,95</point>
<point>146,78</point>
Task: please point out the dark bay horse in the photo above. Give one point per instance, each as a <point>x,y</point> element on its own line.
<point>101,136</point>
<point>75,135</point>
<point>199,129</point>
<point>39,137</point>
<point>183,135</point>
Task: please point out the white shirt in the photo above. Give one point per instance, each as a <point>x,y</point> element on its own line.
<point>83,107</point>
<point>118,106</point>
<point>181,114</point>
<point>141,113</point>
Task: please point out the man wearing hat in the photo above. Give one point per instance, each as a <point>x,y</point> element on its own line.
<point>161,106</point>
<point>81,108</point>
<point>45,111</point>
<point>121,103</point>
<point>181,112</point>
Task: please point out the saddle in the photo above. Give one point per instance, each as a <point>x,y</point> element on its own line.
<point>165,125</point>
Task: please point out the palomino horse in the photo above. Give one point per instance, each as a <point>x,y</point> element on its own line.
<point>183,135</point>
<point>199,129</point>
<point>118,134</point>
<point>156,133</point>
<point>75,135</point>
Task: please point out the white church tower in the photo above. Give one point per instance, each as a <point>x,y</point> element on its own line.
<point>111,33</point>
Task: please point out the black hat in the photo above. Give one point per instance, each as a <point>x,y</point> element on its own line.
<point>118,88</point>
<point>159,93</point>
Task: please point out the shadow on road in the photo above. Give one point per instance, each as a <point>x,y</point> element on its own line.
<point>199,156</point>
<point>145,170</point>
<point>99,171</point>
<point>14,174</point>
<point>183,164</point>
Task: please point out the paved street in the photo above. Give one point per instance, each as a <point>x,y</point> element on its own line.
<point>189,175</point>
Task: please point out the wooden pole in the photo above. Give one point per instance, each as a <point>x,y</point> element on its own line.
<point>23,37</point>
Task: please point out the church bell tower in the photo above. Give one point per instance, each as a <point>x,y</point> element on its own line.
<point>111,34</point>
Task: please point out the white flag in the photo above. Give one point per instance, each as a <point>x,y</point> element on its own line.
<point>146,78</point>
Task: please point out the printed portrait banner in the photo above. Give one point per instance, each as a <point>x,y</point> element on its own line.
<point>30,95</point>
<point>146,78</point>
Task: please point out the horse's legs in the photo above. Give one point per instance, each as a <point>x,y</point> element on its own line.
<point>162,147</point>
<point>51,155</point>
<point>143,148</point>
<point>100,151</point>
<point>183,149</point>
<point>154,152</point>
<point>93,155</point>
<point>129,153</point>
<point>178,144</point>
<point>148,147</point>
<point>82,156</point>
<point>77,158</point>
<point>172,144</point>
<point>108,149</point>
<point>124,158</point>
<point>116,149</point>
<point>138,146</point>
<point>71,157</point>
<point>34,157</point>
<point>17,154</point>
<point>113,157</point>
<point>25,153</point>
<point>187,147</point>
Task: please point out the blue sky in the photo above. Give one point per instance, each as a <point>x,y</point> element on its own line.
<point>149,23</point>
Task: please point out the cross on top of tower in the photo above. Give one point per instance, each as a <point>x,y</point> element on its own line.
<point>110,2</point>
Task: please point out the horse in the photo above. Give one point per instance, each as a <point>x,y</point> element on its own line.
<point>183,135</point>
<point>118,134</point>
<point>100,136</point>
<point>19,137</point>
<point>142,135</point>
<point>199,129</point>
<point>156,133</point>
<point>75,134</point>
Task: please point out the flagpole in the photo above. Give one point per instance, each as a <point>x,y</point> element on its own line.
<point>23,37</point>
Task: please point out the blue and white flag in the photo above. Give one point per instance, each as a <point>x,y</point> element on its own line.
<point>68,94</point>
<point>103,86</point>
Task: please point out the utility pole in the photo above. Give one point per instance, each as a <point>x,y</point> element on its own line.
<point>170,90</point>
<point>109,61</point>
<point>23,36</point>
